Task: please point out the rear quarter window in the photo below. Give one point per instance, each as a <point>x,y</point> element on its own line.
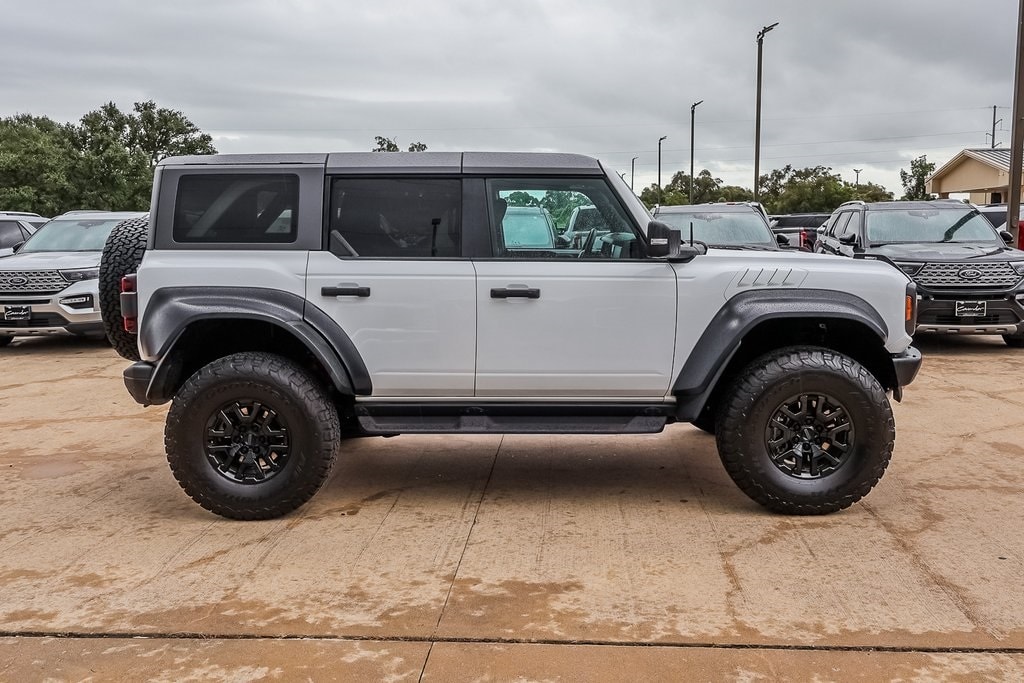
<point>236,208</point>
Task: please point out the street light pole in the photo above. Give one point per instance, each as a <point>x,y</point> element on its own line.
<point>662,138</point>
<point>1017,136</point>
<point>857,177</point>
<point>632,172</point>
<point>693,109</point>
<point>757,115</point>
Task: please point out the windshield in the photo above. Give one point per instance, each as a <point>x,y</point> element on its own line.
<point>527,230</point>
<point>71,235</point>
<point>929,225</point>
<point>721,229</point>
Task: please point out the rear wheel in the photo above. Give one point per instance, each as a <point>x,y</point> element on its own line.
<point>251,436</point>
<point>805,431</point>
<point>122,255</point>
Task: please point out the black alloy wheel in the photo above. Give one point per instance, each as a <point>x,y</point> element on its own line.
<point>247,441</point>
<point>809,436</point>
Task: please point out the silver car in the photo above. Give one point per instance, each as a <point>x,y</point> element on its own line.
<point>49,286</point>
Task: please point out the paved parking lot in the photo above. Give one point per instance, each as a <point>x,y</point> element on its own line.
<point>558,558</point>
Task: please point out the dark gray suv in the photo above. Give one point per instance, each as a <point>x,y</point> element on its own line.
<point>969,280</point>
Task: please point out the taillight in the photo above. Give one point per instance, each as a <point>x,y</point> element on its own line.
<point>804,239</point>
<point>129,304</point>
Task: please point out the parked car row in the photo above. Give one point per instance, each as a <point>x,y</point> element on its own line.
<point>49,277</point>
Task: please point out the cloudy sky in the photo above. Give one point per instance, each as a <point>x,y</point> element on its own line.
<point>864,84</point>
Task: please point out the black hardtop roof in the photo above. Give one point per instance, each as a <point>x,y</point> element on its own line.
<point>385,163</point>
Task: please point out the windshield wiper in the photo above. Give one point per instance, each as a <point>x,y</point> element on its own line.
<point>948,236</point>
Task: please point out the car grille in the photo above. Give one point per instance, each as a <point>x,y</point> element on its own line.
<point>952,275</point>
<point>31,282</point>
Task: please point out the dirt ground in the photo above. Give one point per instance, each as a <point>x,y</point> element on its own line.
<point>508,558</point>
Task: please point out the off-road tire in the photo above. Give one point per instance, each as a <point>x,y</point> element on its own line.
<point>122,255</point>
<point>762,388</point>
<point>5,339</point>
<point>1015,340</point>
<point>279,384</point>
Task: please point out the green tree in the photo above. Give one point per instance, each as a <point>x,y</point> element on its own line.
<point>869,192</point>
<point>388,145</point>
<point>520,198</point>
<point>560,203</point>
<point>915,182</point>
<point>105,161</point>
<point>35,153</point>
<point>814,189</point>
<point>160,133</point>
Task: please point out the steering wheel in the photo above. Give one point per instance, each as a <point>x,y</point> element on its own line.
<point>588,243</point>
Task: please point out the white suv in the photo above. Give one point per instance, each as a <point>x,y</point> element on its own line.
<point>282,303</point>
<point>49,286</point>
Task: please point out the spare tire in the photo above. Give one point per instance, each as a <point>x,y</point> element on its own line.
<point>122,255</point>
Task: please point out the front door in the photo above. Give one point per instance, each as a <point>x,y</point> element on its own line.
<point>575,320</point>
<point>394,280</point>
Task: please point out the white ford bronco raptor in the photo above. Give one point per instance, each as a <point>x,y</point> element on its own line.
<point>281,303</point>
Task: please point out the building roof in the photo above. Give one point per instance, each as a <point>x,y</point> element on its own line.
<point>998,158</point>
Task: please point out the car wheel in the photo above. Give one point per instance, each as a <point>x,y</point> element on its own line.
<point>1015,340</point>
<point>805,431</point>
<point>122,255</point>
<point>5,339</point>
<point>251,436</point>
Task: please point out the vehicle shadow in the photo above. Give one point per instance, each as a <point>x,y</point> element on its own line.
<point>962,344</point>
<point>55,344</point>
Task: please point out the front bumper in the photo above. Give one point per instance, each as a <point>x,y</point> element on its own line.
<point>906,365</point>
<point>1004,313</point>
<point>49,316</point>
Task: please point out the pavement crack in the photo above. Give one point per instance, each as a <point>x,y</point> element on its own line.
<point>476,513</point>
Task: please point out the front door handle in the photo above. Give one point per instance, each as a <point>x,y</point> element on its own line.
<point>352,290</point>
<point>514,293</point>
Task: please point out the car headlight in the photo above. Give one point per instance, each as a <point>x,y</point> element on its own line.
<point>79,275</point>
<point>1018,266</point>
<point>910,268</point>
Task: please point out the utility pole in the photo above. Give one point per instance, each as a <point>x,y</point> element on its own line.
<point>632,172</point>
<point>659,140</point>
<point>693,109</point>
<point>1017,136</point>
<point>757,115</point>
<point>994,122</point>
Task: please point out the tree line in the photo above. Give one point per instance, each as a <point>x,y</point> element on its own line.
<point>815,189</point>
<point>104,161</point>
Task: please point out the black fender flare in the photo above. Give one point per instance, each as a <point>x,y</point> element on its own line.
<point>741,314</point>
<point>171,310</point>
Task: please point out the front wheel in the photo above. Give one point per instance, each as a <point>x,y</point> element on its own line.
<point>806,431</point>
<point>251,436</point>
<point>5,339</point>
<point>1015,340</point>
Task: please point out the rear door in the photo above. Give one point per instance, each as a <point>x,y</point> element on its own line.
<point>394,279</point>
<point>586,322</point>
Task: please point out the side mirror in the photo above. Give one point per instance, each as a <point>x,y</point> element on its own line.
<point>1005,234</point>
<point>783,240</point>
<point>848,238</point>
<point>19,245</point>
<point>665,242</point>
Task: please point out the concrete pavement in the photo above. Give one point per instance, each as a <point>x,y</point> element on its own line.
<point>491,558</point>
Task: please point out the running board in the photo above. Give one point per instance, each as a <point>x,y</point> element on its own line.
<point>512,418</point>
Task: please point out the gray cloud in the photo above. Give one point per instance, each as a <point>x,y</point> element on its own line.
<point>869,84</point>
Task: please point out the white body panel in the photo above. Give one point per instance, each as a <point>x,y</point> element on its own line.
<point>280,270</point>
<point>599,329</point>
<point>416,332</point>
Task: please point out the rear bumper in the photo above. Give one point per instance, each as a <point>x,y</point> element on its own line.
<point>137,379</point>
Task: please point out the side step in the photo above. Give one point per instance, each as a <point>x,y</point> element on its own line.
<point>512,418</point>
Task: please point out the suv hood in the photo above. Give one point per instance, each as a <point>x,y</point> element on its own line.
<point>51,260</point>
<point>947,251</point>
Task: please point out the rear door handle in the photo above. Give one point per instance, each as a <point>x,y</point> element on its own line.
<point>514,293</point>
<point>353,290</point>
